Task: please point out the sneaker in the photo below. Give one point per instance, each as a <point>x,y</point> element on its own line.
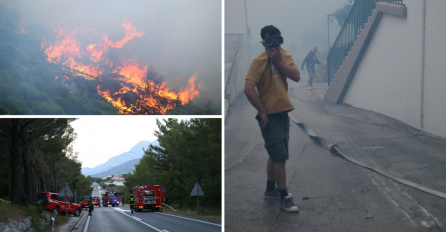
<point>309,87</point>
<point>275,194</point>
<point>288,205</point>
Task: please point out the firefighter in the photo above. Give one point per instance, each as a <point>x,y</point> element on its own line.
<point>131,202</point>
<point>123,201</point>
<point>90,206</point>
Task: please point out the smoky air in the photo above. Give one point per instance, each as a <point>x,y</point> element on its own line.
<point>303,24</point>
<point>132,57</point>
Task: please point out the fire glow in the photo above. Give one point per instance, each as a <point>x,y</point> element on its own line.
<point>126,84</point>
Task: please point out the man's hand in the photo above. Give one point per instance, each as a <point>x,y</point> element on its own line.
<point>264,121</point>
<point>274,55</point>
<point>253,97</point>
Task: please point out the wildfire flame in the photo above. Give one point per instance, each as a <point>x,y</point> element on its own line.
<point>126,84</point>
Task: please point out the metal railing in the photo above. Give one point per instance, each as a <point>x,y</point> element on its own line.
<point>352,27</point>
<point>399,2</point>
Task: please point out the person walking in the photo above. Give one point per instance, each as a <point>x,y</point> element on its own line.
<point>311,61</point>
<point>268,73</point>
<point>131,202</point>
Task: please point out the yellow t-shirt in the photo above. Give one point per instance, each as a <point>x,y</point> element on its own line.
<point>272,89</point>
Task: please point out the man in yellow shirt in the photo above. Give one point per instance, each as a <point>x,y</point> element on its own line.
<point>268,73</point>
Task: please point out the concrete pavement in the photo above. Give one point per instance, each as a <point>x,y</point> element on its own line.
<point>340,194</point>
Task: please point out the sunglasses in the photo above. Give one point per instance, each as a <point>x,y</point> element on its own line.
<point>273,41</point>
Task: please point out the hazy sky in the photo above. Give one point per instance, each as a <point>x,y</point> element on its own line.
<point>182,37</point>
<point>100,138</point>
<point>294,18</point>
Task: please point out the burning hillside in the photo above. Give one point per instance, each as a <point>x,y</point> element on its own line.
<point>131,86</point>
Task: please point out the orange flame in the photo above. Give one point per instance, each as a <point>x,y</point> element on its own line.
<point>135,94</point>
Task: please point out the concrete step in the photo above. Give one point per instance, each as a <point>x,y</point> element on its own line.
<point>342,78</point>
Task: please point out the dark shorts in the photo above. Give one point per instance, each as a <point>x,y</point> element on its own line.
<point>276,136</point>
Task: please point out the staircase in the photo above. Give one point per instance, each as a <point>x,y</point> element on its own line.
<point>352,42</point>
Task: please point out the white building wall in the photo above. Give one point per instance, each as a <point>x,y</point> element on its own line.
<point>388,79</point>
<point>435,68</point>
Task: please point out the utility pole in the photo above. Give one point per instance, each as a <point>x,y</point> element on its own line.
<point>328,47</point>
<point>328,28</point>
<point>248,34</point>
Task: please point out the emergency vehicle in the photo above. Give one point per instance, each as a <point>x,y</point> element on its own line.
<point>147,197</point>
<point>111,197</point>
<point>96,201</point>
<point>58,204</point>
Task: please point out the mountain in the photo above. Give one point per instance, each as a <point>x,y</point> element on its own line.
<point>126,167</point>
<point>135,153</point>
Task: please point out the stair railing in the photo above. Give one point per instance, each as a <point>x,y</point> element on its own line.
<point>352,27</point>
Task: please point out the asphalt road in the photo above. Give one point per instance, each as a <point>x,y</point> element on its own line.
<point>120,219</point>
<point>332,193</point>
<point>96,190</point>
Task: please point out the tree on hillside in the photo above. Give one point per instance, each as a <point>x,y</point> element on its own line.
<point>40,158</point>
<point>188,152</point>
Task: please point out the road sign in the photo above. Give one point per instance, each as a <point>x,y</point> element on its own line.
<point>197,191</point>
<point>66,191</point>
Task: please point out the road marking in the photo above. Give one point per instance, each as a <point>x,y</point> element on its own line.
<point>83,215</point>
<point>86,225</point>
<point>190,219</point>
<point>123,210</point>
<point>138,220</point>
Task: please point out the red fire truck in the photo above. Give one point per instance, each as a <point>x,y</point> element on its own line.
<point>110,197</point>
<point>147,197</point>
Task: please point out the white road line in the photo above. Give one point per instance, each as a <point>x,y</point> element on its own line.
<point>86,225</point>
<point>138,220</point>
<point>79,220</point>
<point>191,219</point>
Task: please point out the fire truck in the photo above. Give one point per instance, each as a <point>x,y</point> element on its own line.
<point>110,197</point>
<point>147,197</point>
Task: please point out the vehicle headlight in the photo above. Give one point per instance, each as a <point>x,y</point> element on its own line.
<point>118,201</point>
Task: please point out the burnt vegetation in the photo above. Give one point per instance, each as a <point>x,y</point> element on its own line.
<point>28,83</point>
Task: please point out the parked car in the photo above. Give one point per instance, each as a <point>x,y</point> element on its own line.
<point>41,197</point>
<point>84,202</point>
<point>58,204</point>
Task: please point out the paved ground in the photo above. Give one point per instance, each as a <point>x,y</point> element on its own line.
<point>96,190</point>
<point>340,194</point>
<point>121,219</point>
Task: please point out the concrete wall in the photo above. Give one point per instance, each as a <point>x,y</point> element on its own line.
<point>435,69</point>
<point>388,79</point>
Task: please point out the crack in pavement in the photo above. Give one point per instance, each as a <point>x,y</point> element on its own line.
<point>303,150</point>
<point>289,183</point>
<point>275,221</point>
